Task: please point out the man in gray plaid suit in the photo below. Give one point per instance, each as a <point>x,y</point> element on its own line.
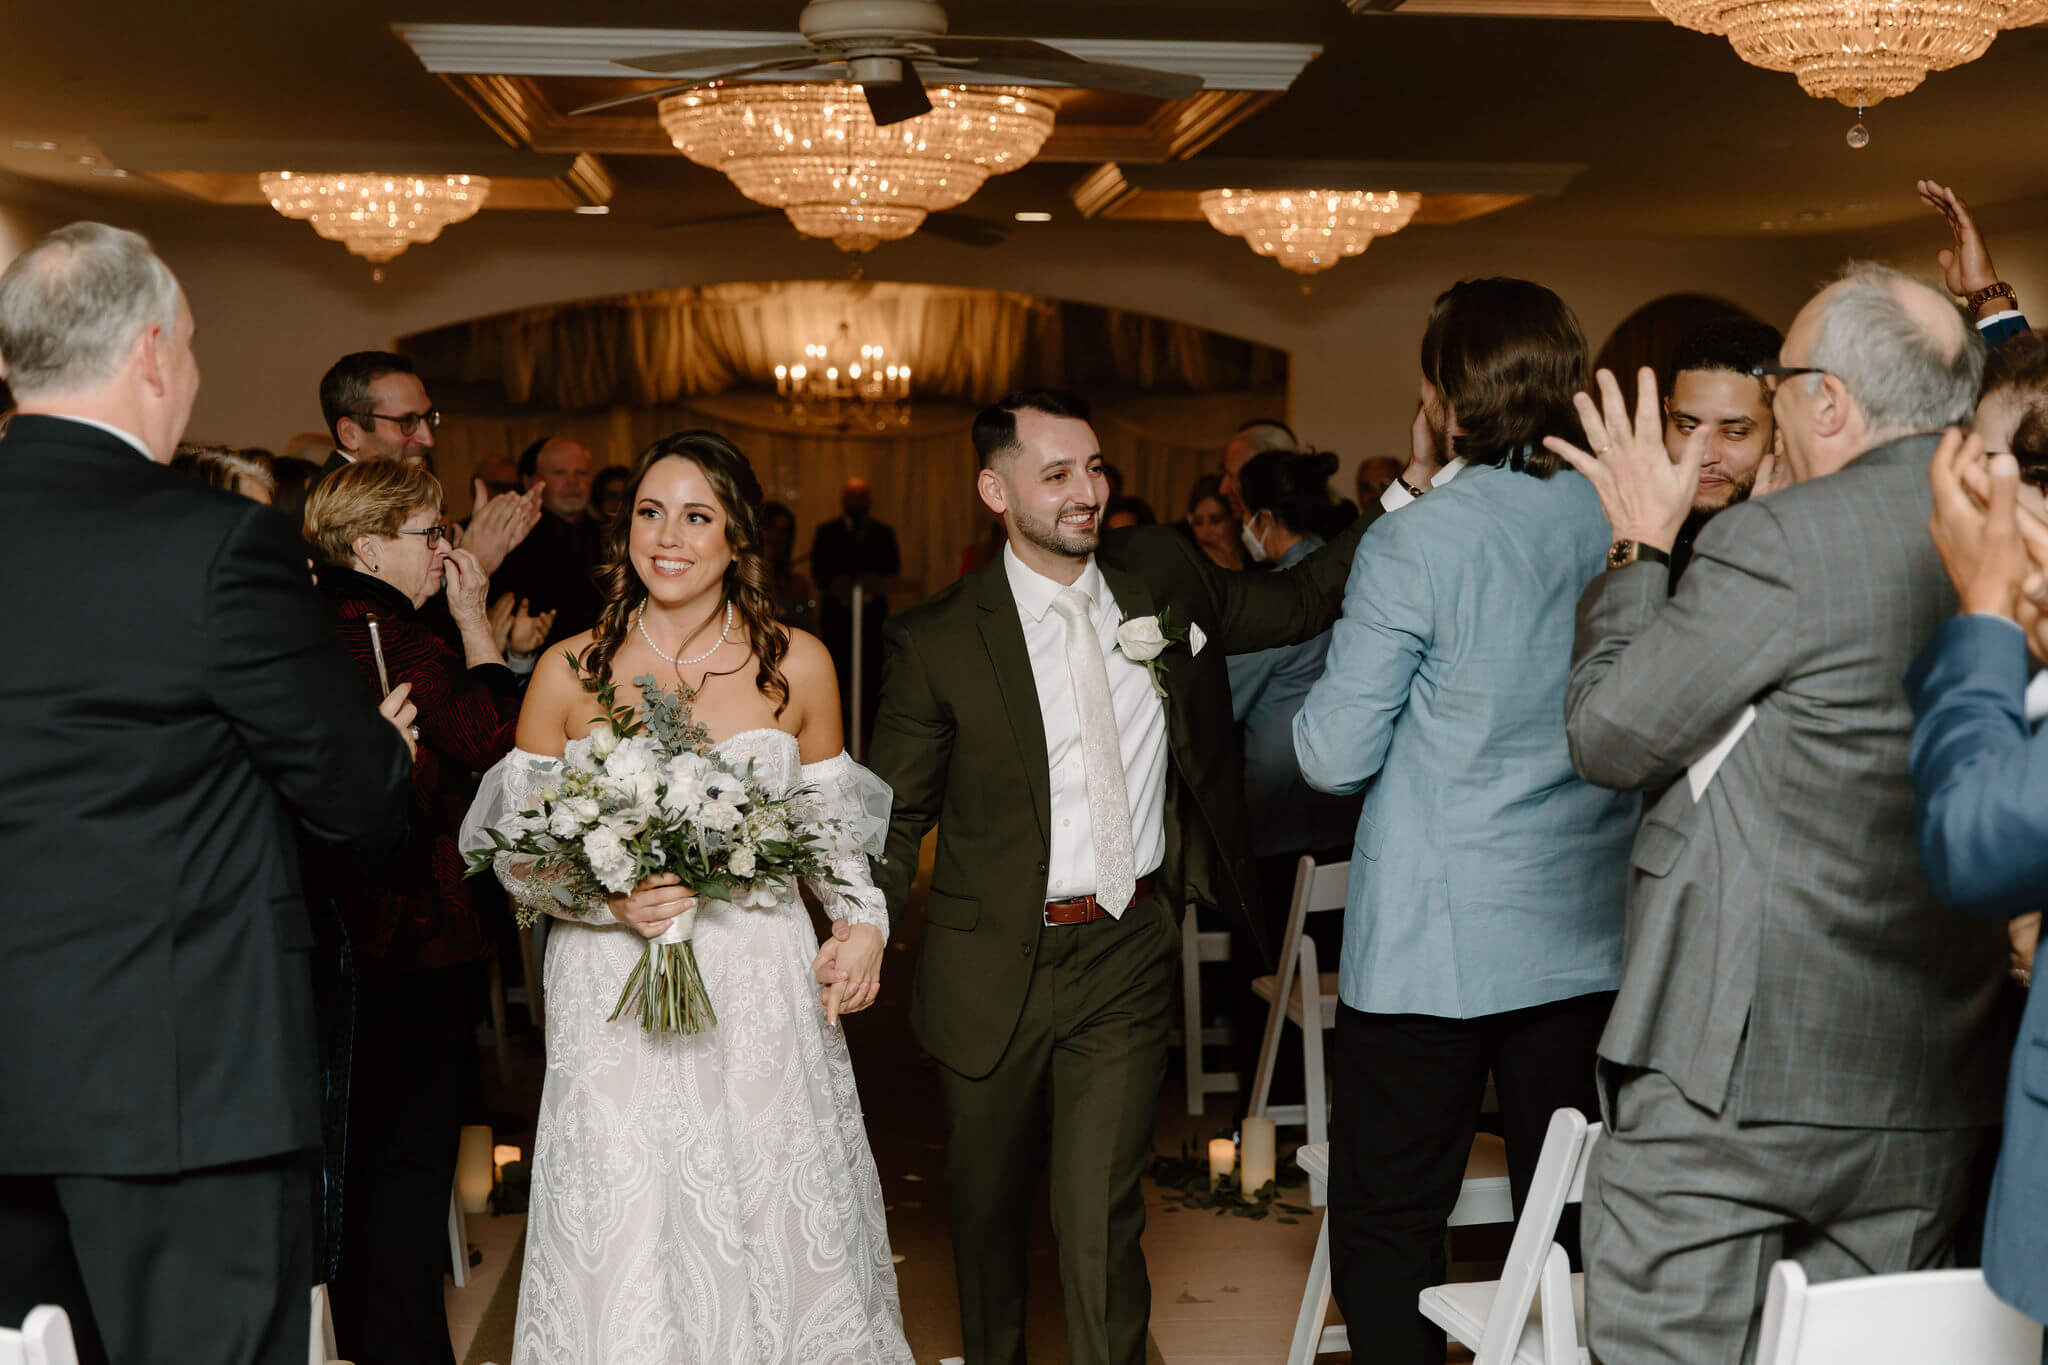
<point>1802,1061</point>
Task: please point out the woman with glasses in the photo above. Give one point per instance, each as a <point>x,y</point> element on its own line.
<point>401,937</point>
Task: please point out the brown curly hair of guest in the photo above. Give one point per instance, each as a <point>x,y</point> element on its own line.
<point>749,581</point>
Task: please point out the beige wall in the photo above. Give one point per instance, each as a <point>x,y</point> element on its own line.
<point>275,305</point>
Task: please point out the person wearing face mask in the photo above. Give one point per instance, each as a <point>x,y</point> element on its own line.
<point>405,926</point>
<point>1286,497</point>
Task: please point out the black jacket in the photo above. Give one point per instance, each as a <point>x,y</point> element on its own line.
<point>174,703</point>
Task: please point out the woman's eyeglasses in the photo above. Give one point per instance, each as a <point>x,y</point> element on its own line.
<point>437,534</point>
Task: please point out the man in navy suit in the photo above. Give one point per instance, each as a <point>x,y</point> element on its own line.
<point>1980,779</point>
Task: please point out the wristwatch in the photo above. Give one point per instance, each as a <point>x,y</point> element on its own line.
<point>1623,553</point>
<point>1997,289</point>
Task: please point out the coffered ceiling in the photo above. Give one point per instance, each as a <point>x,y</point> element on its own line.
<point>1615,125</point>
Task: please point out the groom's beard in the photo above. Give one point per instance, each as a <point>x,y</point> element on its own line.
<point>1068,541</point>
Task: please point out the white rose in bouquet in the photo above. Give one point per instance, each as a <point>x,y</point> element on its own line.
<point>564,824</point>
<point>602,742</point>
<point>722,816</point>
<point>609,860</point>
<point>743,863</point>
<point>633,757</point>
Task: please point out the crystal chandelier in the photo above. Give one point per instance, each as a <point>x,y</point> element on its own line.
<point>1308,230</point>
<point>813,151</point>
<point>373,214</point>
<point>1855,51</point>
<point>837,385</point>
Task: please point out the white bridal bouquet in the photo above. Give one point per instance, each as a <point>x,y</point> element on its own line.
<point>640,796</point>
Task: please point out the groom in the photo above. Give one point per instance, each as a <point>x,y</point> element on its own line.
<point>1085,790</point>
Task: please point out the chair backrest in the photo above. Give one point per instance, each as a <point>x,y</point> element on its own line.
<point>44,1339</point>
<point>1317,887</point>
<point>1892,1320</point>
<point>1560,1179</point>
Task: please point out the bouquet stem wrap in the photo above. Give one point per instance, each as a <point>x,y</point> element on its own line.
<point>667,984</point>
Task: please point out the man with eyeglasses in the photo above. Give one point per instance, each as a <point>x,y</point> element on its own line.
<point>376,407</point>
<point>1806,1054</point>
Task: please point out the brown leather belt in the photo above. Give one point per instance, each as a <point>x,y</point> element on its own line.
<point>1084,910</point>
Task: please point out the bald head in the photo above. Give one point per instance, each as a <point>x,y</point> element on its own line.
<point>855,497</point>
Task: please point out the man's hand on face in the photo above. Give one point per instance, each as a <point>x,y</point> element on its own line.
<point>1978,535</point>
<point>1645,493</point>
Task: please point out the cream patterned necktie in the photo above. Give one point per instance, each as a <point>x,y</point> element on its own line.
<point>1109,807</point>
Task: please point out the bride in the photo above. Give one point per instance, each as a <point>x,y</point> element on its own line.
<point>707,1198</point>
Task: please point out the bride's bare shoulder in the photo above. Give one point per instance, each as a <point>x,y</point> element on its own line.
<point>551,696</point>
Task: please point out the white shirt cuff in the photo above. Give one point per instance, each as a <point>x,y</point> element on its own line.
<point>2000,316</point>
<point>1395,498</point>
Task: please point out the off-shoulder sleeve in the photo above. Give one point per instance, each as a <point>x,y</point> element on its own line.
<point>510,789</point>
<point>853,805</point>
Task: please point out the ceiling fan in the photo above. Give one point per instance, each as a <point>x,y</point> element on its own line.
<point>880,42</point>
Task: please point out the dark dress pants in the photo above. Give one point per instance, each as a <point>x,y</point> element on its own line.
<point>1405,1099</point>
<point>1076,1092</point>
<point>411,1045</point>
<point>213,1264</point>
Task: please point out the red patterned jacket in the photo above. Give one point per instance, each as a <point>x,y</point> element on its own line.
<point>412,910</point>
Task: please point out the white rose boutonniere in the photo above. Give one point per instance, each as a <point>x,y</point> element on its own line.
<point>1142,639</point>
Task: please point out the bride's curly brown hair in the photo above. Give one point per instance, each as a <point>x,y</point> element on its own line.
<point>748,578</point>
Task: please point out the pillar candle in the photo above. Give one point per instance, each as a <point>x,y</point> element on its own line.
<point>473,1168</point>
<point>1258,1167</point>
<point>1222,1157</point>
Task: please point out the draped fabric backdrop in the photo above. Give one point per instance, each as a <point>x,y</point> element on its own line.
<point>617,374</point>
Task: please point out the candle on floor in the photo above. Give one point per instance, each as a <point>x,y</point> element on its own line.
<point>473,1168</point>
<point>1258,1168</point>
<point>503,1155</point>
<point>1222,1159</point>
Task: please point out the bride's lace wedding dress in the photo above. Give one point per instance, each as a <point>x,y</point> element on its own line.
<point>706,1199</point>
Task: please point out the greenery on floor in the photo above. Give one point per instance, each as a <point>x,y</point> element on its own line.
<point>1184,1181</point>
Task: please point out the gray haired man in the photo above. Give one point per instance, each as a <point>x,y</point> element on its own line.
<point>1803,1059</point>
<point>176,707</point>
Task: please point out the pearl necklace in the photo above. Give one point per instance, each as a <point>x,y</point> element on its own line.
<point>640,619</point>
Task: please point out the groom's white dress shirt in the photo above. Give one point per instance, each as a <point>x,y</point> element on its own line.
<point>1140,728</point>
<point>130,437</point>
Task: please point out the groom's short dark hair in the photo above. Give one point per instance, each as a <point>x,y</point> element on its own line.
<point>995,426</point>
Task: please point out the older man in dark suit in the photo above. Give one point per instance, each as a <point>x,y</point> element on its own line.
<point>176,705</point>
<point>1804,1058</point>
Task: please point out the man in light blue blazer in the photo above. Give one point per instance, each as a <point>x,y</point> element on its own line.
<point>1980,780</point>
<point>1483,928</point>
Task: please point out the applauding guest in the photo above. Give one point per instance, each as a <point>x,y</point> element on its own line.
<point>1981,775</point>
<point>413,933</point>
<point>175,706</point>
<point>1803,1058</point>
<point>1483,928</point>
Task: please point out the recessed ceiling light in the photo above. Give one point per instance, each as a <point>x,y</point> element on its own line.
<point>1034,217</point>
<point>23,144</point>
<point>110,170</point>
<point>593,208</point>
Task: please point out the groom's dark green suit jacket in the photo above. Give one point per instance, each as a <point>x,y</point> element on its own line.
<point>959,739</point>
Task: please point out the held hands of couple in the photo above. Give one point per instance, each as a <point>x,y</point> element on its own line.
<point>1643,490</point>
<point>653,905</point>
<point>848,969</point>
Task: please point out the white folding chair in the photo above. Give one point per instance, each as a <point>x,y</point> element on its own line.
<point>1196,947</point>
<point>1304,995</point>
<point>458,1240</point>
<point>1892,1320</point>
<point>1484,1198</point>
<point>1493,1317</point>
<point>44,1339</point>
<point>320,1345</point>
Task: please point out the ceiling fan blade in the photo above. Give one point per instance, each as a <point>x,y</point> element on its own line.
<point>662,91</point>
<point>897,101</point>
<point>967,231</point>
<point>1044,62</point>
<point>712,59</point>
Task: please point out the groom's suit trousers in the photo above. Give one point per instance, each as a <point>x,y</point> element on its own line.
<point>1074,1096</point>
